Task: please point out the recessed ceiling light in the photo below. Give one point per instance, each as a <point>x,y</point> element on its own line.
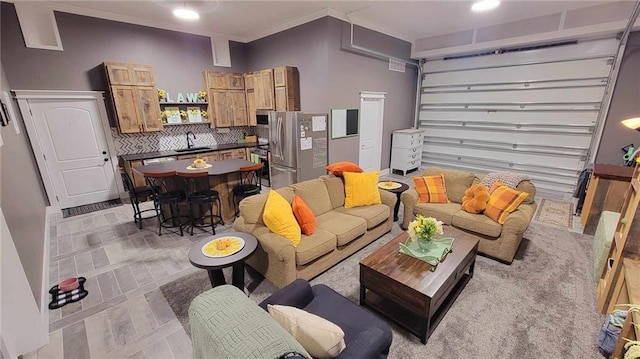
<point>485,5</point>
<point>186,14</point>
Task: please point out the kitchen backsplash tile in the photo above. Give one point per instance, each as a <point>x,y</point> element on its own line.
<point>174,137</point>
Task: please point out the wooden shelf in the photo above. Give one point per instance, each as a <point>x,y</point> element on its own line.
<point>183,103</point>
<point>635,184</point>
<point>187,123</point>
<point>617,237</point>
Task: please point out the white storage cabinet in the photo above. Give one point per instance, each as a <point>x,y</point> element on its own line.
<point>406,150</point>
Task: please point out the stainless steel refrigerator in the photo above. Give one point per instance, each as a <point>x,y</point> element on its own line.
<point>298,145</point>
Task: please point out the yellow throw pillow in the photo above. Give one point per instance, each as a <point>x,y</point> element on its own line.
<point>278,217</point>
<point>431,189</point>
<point>502,202</point>
<point>321,338</point>
<point>361,189</point>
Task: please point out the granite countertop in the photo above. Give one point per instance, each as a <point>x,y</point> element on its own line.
<point>147,155</point>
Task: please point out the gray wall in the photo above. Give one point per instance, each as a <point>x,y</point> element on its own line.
<point>351,72</point>
<point>331,77</point>
<point>178,59</point>
<point>624,104</point>
<point>305,47</point>
<point>22,198</point>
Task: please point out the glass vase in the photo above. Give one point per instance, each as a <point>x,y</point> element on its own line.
<point>424,243</point>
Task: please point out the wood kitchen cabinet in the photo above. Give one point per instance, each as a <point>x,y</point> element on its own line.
<point>227,99</point>
<point>120,73</point>
<point>286,80</point>
<point>137,178</point>
<point>248,81</point>
<point>251,107</point>
<point>134,97</point>
<point>263,89</point>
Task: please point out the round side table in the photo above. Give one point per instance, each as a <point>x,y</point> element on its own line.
<point>214,265</point>
<point>398,191</point>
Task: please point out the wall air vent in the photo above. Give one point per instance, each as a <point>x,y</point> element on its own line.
<point>397,65</point>
<point>512,49</point>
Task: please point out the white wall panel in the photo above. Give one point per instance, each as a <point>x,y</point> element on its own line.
<point>529,111</point>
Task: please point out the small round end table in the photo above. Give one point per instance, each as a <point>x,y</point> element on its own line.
<point>214,265</point>
<point>398,191</point>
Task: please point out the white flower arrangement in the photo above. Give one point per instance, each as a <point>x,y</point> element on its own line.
<point>424,228</point>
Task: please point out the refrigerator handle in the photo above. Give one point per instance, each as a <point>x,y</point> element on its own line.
<point>280,140</point>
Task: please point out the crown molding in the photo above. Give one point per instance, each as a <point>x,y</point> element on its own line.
<point>371,26</point>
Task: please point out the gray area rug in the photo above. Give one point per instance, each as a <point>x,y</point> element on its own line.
<point>541,306</point>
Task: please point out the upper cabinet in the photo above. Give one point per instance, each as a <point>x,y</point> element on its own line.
<point>120,73</point>
<point>263,88</point>
<point>227,98</point>
<point>134,96</point>
<point>287,88</point>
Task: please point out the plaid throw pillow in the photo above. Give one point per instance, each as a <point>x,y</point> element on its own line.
<point>431,189</point>
<point>502,202</point>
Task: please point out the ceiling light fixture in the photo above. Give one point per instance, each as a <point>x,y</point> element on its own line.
<point>186,14</point>
<point>485,5</point>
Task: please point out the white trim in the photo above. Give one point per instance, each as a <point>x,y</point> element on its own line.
<point>24,96</point>
<point>44,293</point>
<point>371,94</point>
<point>384,172</point>
<point>79,10</point>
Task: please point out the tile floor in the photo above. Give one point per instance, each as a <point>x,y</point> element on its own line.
<point>125,314</point>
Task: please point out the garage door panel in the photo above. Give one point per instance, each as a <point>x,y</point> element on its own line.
<point>563,96</point>
<point>523,139</point>
<point>549,117</point>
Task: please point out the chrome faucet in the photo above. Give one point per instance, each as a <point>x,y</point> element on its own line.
<point>189,141</point>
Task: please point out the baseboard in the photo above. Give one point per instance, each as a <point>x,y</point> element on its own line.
<point>44,294</point>
<point>384,172</point>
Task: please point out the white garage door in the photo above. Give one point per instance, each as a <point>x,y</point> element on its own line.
<point>532,111</point>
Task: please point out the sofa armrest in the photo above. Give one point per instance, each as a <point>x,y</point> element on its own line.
<point>409,199</point>
<point>276,245</point>
<point>369,344</point>
<point>296,294</point>
<point>388,198</point>
<point>519,220</point>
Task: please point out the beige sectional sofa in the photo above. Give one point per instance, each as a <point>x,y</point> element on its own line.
<point>496,240</point>
<point>339,233</point>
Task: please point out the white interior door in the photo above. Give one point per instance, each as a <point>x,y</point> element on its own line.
<point>75,150</point>
<point>371,117</point>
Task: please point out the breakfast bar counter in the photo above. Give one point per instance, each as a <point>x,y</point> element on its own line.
<point>223,176</point>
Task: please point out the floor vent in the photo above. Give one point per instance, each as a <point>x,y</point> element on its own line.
<point>88,208</point>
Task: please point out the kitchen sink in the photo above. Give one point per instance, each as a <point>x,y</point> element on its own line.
<point>193,149</point>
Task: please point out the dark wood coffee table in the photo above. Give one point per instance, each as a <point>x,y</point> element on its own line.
<point>214,265</point>
<point>413,293</point>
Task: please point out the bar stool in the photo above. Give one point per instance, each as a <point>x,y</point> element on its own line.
<point>250,184</point>
<point>200,194</point>
<point>135,196</point>
<point>168,190</point>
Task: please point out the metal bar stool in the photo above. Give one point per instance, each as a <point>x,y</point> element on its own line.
<point>168,190</point>
<point>200,194</point>
<point>250,184</point>
<point>136,194</point>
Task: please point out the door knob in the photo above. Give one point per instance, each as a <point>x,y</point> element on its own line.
<point>106,159</point>
<point>104,152</point>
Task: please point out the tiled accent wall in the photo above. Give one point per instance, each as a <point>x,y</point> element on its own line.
<point>174,137</point>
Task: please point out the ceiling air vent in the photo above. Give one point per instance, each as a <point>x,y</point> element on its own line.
<point>397,65</point>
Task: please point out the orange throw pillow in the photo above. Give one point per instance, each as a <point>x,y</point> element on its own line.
<point>475,199</point>
<point>337,168</point>
<point>502,202</point>
<point>305,217</point>
<point>431,189</point>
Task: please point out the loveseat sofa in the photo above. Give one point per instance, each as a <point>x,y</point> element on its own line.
<point>496,240</point>
<point>339,233</point>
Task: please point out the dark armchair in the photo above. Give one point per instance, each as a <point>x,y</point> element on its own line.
<point>366,336</point>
